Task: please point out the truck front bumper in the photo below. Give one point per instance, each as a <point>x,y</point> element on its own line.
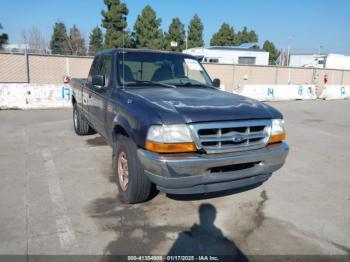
<point>197,173</point>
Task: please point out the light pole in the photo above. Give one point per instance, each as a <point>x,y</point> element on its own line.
<point>319,49</point>
<point>288,49</point>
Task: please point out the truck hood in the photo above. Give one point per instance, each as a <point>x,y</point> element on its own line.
<point>190,105</point>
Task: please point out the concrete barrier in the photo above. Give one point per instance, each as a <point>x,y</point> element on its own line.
<point>31,96</point>
<point>279,92</point>
<point>330,92</point>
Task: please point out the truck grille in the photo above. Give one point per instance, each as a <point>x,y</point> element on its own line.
<point>220,137</point>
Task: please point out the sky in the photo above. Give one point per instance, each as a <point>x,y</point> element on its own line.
<point>307,25</point>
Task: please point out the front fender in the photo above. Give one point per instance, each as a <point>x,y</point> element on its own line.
<point>134,128</point>
<point>134,116</point>
<point>121,121</point>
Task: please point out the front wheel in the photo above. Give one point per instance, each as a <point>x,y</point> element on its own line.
<point>133,184</point>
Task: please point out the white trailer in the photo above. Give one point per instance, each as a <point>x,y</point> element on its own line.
<point>337,61</point>
<point>307,60</point>
<point>330,61</point>
<point>230,55</point>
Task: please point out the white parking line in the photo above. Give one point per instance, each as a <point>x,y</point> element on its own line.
<point>63,222</point>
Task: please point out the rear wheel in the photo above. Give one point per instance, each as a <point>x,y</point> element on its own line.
<point>133,184</point>
<point>81,126</point>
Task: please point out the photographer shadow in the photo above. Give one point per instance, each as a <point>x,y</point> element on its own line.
<point>206,239</point>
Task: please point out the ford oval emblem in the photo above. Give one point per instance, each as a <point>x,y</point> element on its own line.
<point>237,138</point>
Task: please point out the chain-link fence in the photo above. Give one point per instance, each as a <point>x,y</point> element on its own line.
<point>41,69</point>
<point>13,68</point>
<point>234,77</point>
<point>50,69</point>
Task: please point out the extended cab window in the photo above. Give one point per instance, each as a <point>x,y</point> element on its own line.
<point>144,68</point>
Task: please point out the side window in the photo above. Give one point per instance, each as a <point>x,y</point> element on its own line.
<point>246,60</point>
<point>95,68</point>
<point>106,68</point>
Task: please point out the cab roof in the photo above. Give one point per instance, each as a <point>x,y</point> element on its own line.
<point>121,50</point>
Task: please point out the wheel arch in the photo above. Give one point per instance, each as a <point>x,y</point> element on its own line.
<point>121,127</point>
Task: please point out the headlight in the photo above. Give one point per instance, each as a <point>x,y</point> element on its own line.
<point>170,139</point>
<point>278,132</point>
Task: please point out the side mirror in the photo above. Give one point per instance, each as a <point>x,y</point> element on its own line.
<point>98,81</point>
<point>216,82</point>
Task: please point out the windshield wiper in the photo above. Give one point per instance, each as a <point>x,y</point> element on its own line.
<point>144,82</point>
<point>188,84</point>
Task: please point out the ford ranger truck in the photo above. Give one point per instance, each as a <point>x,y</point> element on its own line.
<point>171,126</point>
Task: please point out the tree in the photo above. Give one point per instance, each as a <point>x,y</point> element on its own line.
<point>224,37</point>
<point>3,38</point>
<point>114,21</point>
<point>270,47</point>
<point>59,43</point>
<point>242,36</point>
<point>96,40</point>
<point>176,34</point>
<point>76,42</point>
<point>35,39</point>
<point>147,32</point>
<point>253,37</point>
<point>246,36</point>
<point>195,33</point>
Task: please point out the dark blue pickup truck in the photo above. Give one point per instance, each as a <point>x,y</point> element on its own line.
<point>169,125</point>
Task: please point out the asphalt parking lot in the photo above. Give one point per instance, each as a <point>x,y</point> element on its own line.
<point>58,196</point>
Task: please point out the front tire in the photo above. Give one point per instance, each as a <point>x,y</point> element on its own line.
<point>133,184</point>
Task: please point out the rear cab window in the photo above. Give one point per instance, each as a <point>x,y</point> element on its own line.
<point>174,69</point>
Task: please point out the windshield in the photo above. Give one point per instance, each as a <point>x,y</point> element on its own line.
<point>163,69</point>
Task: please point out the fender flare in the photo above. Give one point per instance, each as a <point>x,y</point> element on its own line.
<point>120,121</point>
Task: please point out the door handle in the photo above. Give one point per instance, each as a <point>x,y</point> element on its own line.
<point>90,96</point>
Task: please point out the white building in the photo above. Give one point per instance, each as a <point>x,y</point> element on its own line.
<point>244,54</point>
<point>22,48</point>
<point>331,61</point>
<point>15,47</point>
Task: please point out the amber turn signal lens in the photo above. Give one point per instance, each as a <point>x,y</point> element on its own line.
<point>170,148</point>
<point>277,138</point>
